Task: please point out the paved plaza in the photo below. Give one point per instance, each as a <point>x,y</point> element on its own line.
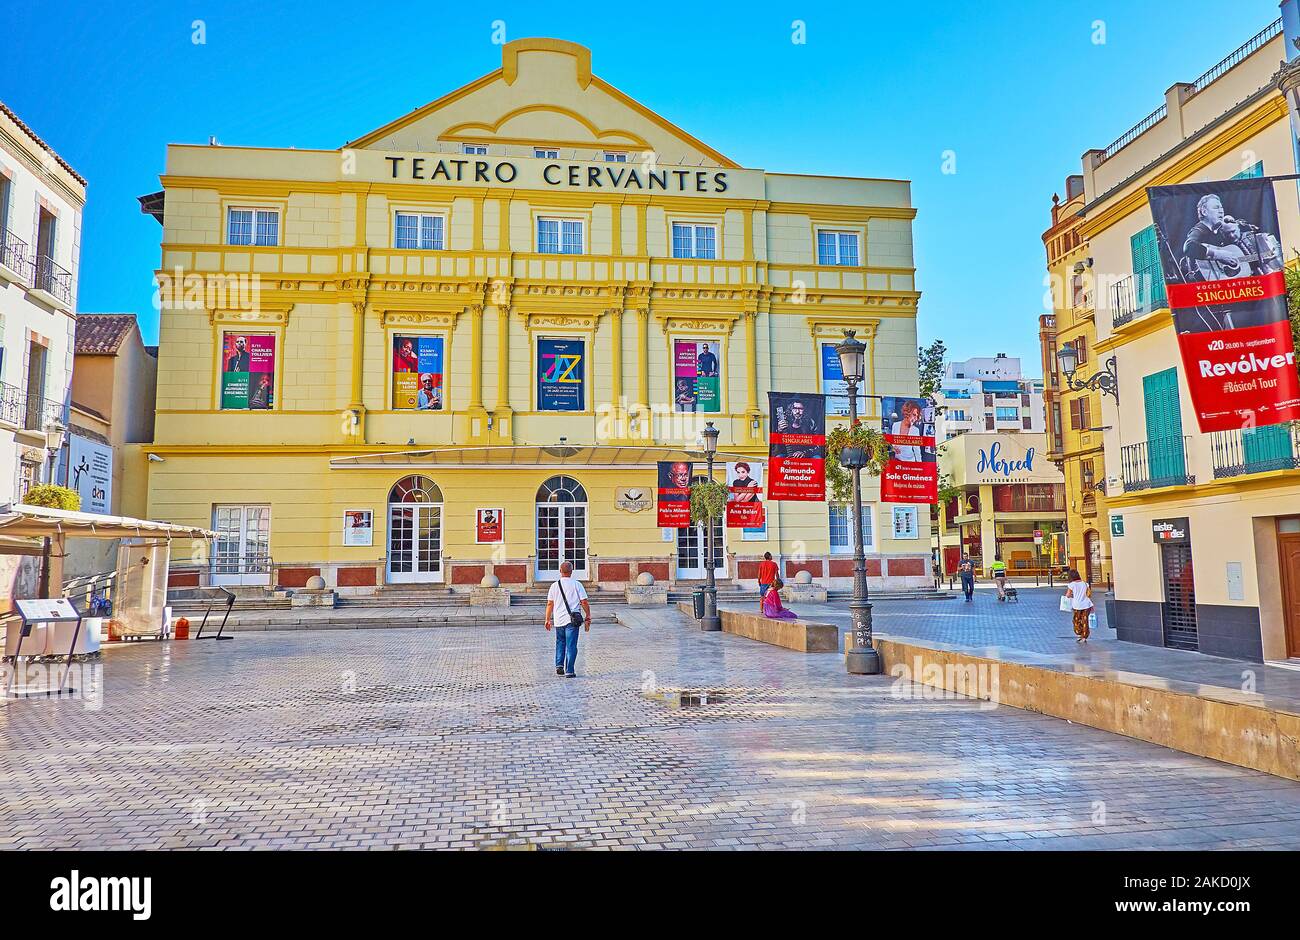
<point>463,737</point>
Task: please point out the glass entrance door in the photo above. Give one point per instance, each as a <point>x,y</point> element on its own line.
<point>693,549</point>
<point>414,544</point>
<point>242,552</point>
<point>561,536</point>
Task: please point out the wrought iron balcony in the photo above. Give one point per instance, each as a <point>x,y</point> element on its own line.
<point>1155,463</point>
<point>54,280</point>
<point>29,412</point>
<point>13,254</point>
<point>13,405</point>
<point>1255,450</point>
<point>1136,296</point>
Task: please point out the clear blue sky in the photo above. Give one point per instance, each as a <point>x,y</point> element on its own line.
<point>1017,89</point>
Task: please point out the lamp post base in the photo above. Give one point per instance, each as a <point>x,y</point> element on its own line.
<point>862,662</point>
<point>711,624</point>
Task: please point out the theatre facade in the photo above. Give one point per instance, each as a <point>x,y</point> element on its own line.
<point>457,346</point>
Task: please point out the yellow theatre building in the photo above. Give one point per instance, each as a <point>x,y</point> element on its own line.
<point>456,347</point>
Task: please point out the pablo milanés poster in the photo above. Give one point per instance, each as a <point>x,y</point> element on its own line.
<point>797,446</point>
<point>1222,261</point>
<point>745,495</point>
<point>417,373</point>
<point>911,474</point>
<point>695,376</point>
<point>561,365</point>
<point>674,494</point>
<point>247,371</point>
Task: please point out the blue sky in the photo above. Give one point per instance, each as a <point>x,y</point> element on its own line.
<point>1017,90</point>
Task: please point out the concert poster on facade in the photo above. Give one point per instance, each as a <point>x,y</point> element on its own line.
<point>797,446</point>
<point>674,510</point>
<point>1223,266</point>
<point>418,373</point>
<point>745,495</point>
<point>561,371</point>
<point>911,475</point>
<point>833,384</point>
<point>696,381</point>
<point>247,371</point>
<point>489,526</point>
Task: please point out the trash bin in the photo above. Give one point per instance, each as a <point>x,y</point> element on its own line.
<point>697,600</point>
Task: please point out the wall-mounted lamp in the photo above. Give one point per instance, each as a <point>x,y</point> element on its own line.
<point>1106,382</point>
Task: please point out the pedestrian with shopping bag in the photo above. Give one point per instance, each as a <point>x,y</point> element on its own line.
<point>1078,600</point>
<point>567,609</point>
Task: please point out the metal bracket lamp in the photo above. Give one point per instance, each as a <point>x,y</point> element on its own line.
<point>1106,381</point>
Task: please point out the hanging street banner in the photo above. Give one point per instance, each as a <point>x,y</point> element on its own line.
<point>561,370</point>
<point>797,446</point>
<point>247,371</point>
<point>417,373</point>
<point>744,495</point>
<point>1222,260</point>
<point>674,494</point>
<point>911,474</point>
<point>695,376</point>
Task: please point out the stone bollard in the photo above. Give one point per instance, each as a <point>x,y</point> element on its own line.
<point>489,593</point>
<point>646,593</point>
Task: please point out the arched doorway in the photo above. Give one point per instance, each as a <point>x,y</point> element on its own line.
<point>693,548</point>
<point>561,528</point>
<point>1092,556</point>
<point>414,532</point>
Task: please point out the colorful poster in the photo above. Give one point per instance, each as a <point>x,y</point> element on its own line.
<point>90,473</point>
<point>247,371</point>
<point>911,474</point>
<point>674,494</point>
<point>1222,260</point>
<point>489,526</point>
<point>358,527</point>
<point>561,371</point>
<point>745,495</point>
<point>418,373</point>
<point>797,446</point>
<point>834,386</point>
<point>696,376</point>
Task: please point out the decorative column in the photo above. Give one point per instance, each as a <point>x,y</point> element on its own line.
<point>753,415</point>
<point>504,414</point>
<point>477,413</point>
<point>354,425</point>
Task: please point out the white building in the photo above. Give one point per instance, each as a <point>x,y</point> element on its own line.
<point>988,394</point>
<point>41,201</point>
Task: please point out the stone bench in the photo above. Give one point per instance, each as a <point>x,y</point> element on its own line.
<point>804,636</point>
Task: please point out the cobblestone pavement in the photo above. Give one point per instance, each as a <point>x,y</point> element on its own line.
<point>463,737</point>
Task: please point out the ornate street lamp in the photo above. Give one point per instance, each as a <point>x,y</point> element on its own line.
<point>711,622</point>
<point>862,659</point>
<point>1106,382</point>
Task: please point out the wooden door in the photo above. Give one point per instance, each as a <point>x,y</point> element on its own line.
<point>1289,548</point>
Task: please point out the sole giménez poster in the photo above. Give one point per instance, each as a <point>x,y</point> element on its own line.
<point>674,494</point>
<point>1222,262</point>
<point>797,446</point>
<point>745,495</point>
<point>911,474</point>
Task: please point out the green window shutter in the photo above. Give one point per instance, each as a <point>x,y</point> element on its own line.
<point>1166,459</point>
<point>1267,448</point>
<point>1149,281</point>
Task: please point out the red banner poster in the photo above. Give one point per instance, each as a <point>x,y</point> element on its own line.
<point>1222,261</point>
<point>797,446</point>
<point>489,525</point>
<point>745,495</point>
<point>911,474</point>
<point>674,494</point>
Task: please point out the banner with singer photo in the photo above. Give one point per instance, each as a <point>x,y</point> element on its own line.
<point>1221,255</point>
<point>745,495</point>
<point>797,446</point>
<point>911,474</point>
<point>674,494</point>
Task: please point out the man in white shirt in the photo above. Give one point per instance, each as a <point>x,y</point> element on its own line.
<point>558,606</point>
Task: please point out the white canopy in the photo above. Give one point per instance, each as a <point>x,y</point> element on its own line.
<point>22,521</point>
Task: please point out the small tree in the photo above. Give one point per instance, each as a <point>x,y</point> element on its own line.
<point>52,496</point>
<point>929,367</point>
<point>708,501</point>
<point>839,479</point>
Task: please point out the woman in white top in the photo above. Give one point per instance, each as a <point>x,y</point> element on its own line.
<point>1080,594</point>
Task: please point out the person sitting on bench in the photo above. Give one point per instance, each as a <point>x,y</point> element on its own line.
<point>772,603</point>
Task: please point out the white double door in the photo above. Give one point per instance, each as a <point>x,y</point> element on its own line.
<point>242,550</point>
<point>561,537</point>
<point>693,549</point>
<point>414,543</point>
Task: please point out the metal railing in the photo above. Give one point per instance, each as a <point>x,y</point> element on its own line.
<point>1134,132</point>
<point>1125,304</point>
<point>1239,55</point>
<point>1155,463</point>
<point>54,280</point>
<point>13,405</point>
<point>13,254</point>
<point>1255,450</point>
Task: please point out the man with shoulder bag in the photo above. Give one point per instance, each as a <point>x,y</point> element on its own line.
<point>567,609</point>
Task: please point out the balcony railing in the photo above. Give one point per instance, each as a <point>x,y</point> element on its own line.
<point>1255,450</point>
<point>13,405</point>
<point>28,412</point>
<point>54,280</point>
<point>1151,464</point>
<point>13,254</point>
<point>1136,296</point>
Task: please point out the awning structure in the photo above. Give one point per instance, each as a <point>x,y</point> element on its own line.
<point>502,456</point>
<point>21,521</point>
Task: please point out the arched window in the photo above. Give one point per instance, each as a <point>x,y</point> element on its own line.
<point>414,489</point>
<point>561,490</point>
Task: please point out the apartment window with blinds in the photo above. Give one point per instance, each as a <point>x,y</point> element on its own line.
<point>1080,417</point>
<point>837,248</point>
<point>559,236</point>
<point>253,227</point>
<point>694,241</point>
<point>1081,349</point>
<point>841,527</point>
<point>419,231</point>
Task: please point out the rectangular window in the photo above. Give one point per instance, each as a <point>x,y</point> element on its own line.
<point>1008,414</point>
<point>475,149</point>
<point>841,528</point>
<point>697,376</point>
<point>418,373</point>
<point>259,227</point>
<point>1252,172</point>
<point>247,371</point>
<point>837,248</point>
<point>612,156</point>
<point>559,236</point>
<point>1080,414</point>
<point>694,241</point>
<point>418,230</point>
<point>5,189</point>
<point>541,153</point>
<point>1148,278</point>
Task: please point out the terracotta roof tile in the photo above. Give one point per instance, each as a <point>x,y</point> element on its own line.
<point>103,333</point>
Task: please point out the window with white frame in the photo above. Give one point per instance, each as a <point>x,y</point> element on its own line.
<point>692,240</point>
<point>252,226</point>
<point>559,236</point>
<point>475,149</point>
<point>838,248</point>
<point>542,153</point>
<point>841,524</point>
<point>419,230</point>
<point>615,156</point>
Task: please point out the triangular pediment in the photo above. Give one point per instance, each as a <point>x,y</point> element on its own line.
<point>543,95</point>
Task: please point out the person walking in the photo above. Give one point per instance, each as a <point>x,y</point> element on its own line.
<point>567,609</point>
<point>1079,593</point>
<point>966,570</point>
<point>766,575</point>
<point>999,571</point>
